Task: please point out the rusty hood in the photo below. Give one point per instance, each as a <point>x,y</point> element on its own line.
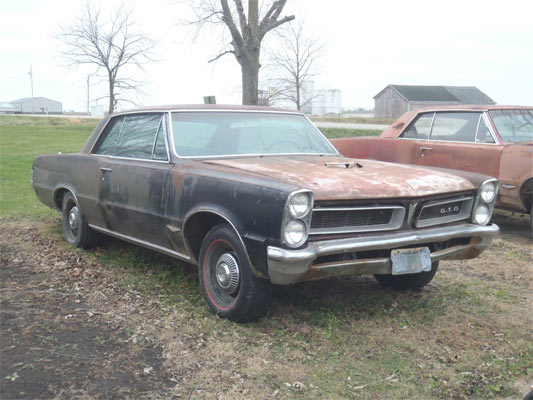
<point>340,178</point>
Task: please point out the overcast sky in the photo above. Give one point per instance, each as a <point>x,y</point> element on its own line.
<point>368,44</point>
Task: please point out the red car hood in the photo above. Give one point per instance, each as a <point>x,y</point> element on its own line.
<point>330,179</point>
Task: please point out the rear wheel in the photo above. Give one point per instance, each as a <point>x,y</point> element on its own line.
<point>229,286</point>
<point>75,228</point>
<point>408,281</point>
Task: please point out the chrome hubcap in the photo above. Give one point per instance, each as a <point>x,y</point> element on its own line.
<point>227,273</point>
<point>73,218</point>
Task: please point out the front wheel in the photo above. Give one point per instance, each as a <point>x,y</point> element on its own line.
<point>75,229</point>
<point>229,286</point>
<point>531,220</point>
<point>408,281</point>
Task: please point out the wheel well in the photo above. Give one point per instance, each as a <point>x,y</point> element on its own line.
<point>58,198</point>
<point>526,193</point>
<point>197,227</point>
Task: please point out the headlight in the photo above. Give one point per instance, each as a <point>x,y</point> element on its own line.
<point>295,233</point>
<point>488,192</point>
<point>299,205</point>
<point>482,214</point>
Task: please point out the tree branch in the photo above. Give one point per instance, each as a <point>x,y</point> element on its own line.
<point>221,54</point>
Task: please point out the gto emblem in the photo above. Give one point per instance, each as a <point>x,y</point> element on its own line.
<point>446,210</point>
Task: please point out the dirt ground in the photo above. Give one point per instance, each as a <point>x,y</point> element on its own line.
<point>53,343</point>
<point>70,328</point>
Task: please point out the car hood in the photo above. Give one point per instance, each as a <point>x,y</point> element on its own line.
<point>340,178</point>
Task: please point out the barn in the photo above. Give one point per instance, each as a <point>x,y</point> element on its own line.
<point>37,105</point>
<point>394,100</point>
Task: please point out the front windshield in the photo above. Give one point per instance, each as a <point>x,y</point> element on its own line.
<point>514,125</point>
<point>216,133</point>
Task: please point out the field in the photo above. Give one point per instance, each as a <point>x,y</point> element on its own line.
<point>124,322</point>
<point>356,120</point>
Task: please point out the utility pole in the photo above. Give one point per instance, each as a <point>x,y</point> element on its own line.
<point>88,110</point>
<point>32,102</point>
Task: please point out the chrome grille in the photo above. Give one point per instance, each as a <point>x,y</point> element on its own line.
<point>443,211</point>
<point>356,219</point>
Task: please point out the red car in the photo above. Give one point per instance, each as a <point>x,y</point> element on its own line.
<point>493,140</point>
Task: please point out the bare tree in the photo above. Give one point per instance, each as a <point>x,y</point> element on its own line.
<point>247,30</point>
<point>294,64</point>
<point>111,46</point>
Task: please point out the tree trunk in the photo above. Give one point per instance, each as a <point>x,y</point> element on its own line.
<point>111,94</point>
<point>250,78</point>
<point>298,100</point>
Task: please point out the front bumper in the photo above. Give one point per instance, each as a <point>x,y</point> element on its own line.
<point>288,266</point>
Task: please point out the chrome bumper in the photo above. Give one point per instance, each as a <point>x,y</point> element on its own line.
<point>289,266</point>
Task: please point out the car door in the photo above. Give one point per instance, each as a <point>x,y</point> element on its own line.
<point>133,178</point>
<point>406,148</point>
<point>460,140</point>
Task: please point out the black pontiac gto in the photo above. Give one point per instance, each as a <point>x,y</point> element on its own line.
<point>257,196</point>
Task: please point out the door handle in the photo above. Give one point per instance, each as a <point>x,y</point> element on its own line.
<point>104,170</point>
<point>423,150</point>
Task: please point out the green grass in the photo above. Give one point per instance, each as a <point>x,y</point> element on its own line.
<point>332,133</point>
<point>23,138</point>
<point>355,120</point>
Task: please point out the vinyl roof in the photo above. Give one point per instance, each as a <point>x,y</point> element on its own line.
<point>208,107</point>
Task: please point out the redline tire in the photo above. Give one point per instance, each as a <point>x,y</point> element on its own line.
<point>230,288</point>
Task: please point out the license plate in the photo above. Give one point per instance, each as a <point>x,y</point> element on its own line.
<point>410,261</point>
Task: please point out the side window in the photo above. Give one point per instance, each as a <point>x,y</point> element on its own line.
<point>138,135</point>
<point>160,149</point>
<point>455,126</point>
<point>483,133</point>
<point>419,129</point>
<point>108,139</point>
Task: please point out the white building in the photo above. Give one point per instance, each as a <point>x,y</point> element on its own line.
<point>37,105</point>
<point>326,102</point>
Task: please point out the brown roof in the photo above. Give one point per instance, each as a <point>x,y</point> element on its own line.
<point>483,107</point>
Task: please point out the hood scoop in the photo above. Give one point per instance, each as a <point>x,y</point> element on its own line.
<point>343,165</point>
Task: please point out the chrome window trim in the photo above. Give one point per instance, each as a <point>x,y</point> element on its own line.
<point>431,127</point>
<point>397,219</point>
<point>164,124</point>
<point>125,114</point>
<point>103,130</point>
<point>249,155</point>
<point>156,136</point>
<point>465,213</point>
<point>134,159</point>
<point>322,135</point>
<point>169,113</point>
<point>488,123</point>
<point>429,139</point>
<point>455,141</point>
<point>412,121</point>
<point>477,127</point>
